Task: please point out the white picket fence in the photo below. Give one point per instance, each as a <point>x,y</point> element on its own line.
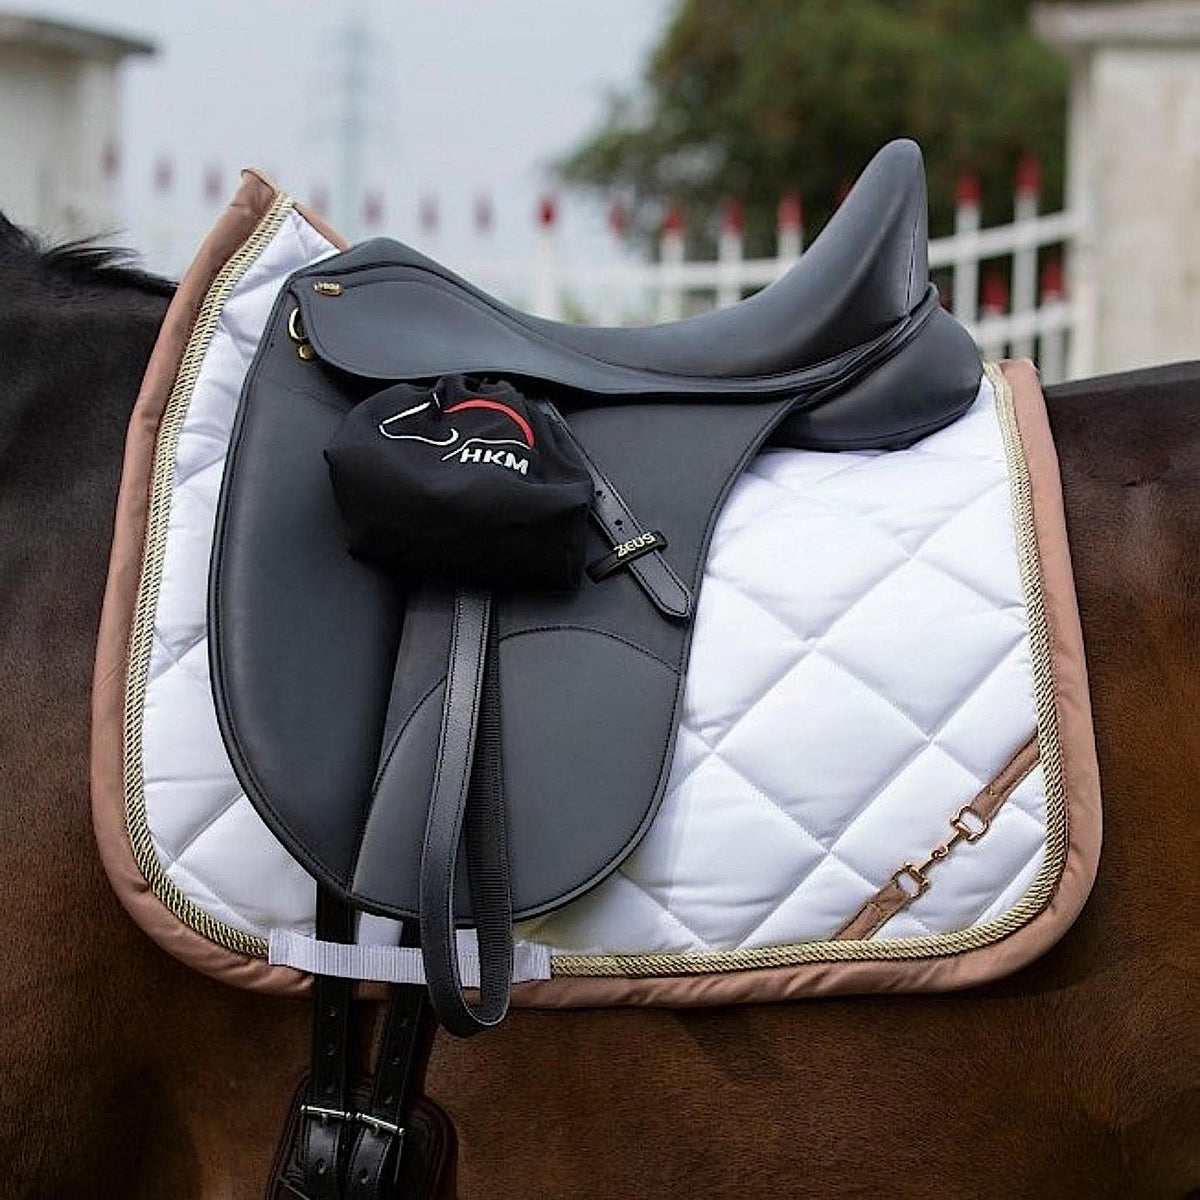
<point>1014,311</point>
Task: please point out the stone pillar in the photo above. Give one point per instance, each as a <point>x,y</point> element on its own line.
<point>1133,178</point>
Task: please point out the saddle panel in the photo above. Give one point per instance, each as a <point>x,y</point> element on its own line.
<point>925,386</point>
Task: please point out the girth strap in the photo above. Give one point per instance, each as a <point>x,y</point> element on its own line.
<point>468,799</point>
<point>323,1134</point>
<point>378,1146</point>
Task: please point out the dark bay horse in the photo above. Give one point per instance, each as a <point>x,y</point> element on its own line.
<point>123,1074</point>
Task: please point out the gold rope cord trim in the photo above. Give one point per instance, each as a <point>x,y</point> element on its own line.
<point>937,945</point>
<point>142,635</point>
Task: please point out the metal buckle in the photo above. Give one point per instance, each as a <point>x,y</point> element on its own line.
<point>376,1124</point>
<point>379,1125</point>
<point>295,326</point>
<point>919,878</point>
<point>326,1114</point>
<point>968,832</point>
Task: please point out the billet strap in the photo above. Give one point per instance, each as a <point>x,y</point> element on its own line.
<point>403,1049</point>
<point>325,1115</point>
<point>468,799</point>
<point>633,546</point>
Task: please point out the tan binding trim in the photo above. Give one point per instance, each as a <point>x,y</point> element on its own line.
<point>141,641</point>
<point>128,586</point>
<point>894,897</point>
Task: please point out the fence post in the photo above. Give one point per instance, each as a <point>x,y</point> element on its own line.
<point>995,305</point>
<point>789,238</point>
<point>1052,347</point>
<point>1025,253</point>
<point>547,300</point>
<point>670,287</point>
<point>965,300</point>
<point>729,252</point>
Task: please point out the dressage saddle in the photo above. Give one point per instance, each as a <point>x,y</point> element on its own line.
<point>456,755</point>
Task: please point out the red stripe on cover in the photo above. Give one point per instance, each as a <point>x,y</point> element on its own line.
<point>479,402</point>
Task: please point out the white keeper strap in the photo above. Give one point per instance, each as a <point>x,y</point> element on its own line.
<point>393,964</point>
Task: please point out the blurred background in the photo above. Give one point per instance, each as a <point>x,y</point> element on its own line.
<point>641,160</point>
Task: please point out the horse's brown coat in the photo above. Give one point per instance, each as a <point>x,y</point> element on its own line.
<point>122,1074</point>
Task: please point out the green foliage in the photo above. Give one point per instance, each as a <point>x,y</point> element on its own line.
<point>758,97</point>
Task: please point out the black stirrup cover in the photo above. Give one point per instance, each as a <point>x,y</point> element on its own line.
<point>467,481</point>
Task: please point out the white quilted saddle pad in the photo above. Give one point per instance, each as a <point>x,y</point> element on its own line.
<point>862,669</point>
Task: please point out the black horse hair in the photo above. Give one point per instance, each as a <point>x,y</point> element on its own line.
<point>81,262</point>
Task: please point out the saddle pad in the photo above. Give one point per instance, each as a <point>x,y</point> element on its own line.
<point>884,779</point>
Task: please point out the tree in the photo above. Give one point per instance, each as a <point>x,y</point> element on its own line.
<point>755,98</point>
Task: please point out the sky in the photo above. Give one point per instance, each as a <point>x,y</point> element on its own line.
<point>462,97</point>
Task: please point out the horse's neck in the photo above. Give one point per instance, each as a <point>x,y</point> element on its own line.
<point>71,366</point>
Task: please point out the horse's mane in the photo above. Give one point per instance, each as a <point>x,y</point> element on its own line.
<point>80,262</point>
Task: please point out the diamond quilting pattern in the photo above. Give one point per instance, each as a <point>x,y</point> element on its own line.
<point>209,839</point>
<point>860,668</point>
<point>864,691</point>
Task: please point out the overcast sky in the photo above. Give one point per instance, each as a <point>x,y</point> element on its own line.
<point>464,96</point>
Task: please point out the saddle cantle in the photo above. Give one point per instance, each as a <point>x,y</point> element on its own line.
<point>369,725</point>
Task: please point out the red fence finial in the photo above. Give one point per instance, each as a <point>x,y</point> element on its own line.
<point>427,215</point>
<point>547,211</point>
<point>967,189</point>
<point>733,216</point>
<point>485,215</point>
<point>995,293</point>
<point>1052,279</point>
<point>673,222</point>
<point>618,220</point>
<point>790,213</point>
<point>1029,175</point>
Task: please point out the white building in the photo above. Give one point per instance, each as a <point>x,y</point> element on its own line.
<point>1133,176</point>
<point>58,124</point>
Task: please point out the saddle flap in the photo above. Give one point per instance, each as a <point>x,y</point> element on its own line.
<point>580,713</point>
<point>304,638</point>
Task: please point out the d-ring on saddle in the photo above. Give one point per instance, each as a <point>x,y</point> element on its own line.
<point>370,723</point>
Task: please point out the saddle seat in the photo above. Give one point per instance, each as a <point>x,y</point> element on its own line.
<point>357,709</point>
<point>840,304</point>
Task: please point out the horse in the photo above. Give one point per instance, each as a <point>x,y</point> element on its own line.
<point>124,1074</point>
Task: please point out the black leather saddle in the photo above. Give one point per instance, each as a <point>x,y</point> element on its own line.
<point>378,726</point>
